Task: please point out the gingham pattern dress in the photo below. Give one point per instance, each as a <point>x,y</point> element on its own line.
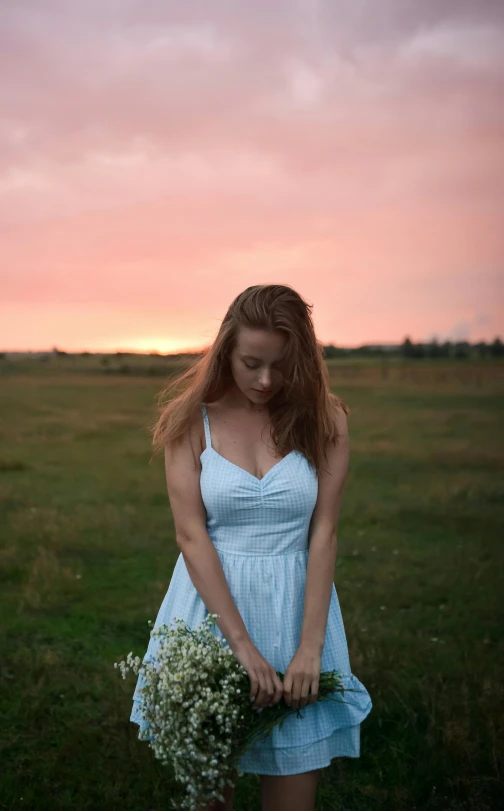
<point>260,530</point>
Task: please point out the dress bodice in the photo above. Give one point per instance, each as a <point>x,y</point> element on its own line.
<point>251,516</point>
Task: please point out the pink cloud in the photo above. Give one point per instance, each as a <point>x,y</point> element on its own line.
<point>160,153</point>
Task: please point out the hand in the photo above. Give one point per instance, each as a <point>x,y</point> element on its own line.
<point>301,679</point>
<point>265,686</point>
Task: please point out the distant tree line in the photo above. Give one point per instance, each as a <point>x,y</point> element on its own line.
<point>452,349</point>
<point>458,350</point>
<point>430,349</point>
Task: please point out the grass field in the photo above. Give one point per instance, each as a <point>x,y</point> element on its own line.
<point>87,551</point>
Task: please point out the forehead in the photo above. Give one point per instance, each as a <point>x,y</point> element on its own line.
<point>261,343</point>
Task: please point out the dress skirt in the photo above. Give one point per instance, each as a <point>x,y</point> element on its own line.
<point>326,729</point>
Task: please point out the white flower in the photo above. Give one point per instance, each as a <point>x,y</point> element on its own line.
<point>180,694</point>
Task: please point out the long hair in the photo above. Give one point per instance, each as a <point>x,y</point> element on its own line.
<point>302,413</point>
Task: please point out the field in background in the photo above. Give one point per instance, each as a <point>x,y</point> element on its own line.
<point>389,368</point>
<point>87,551</point>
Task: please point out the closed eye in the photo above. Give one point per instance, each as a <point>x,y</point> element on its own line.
<point>254,367</point>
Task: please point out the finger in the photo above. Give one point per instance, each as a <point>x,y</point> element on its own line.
<point>305,687</point>
<point>270,690</point>
<point>262,696</point>
<point>279,689</point>
<point>314,690</point>
<point>296,691</point>
<point>287,689</point>
<point>254,686</point>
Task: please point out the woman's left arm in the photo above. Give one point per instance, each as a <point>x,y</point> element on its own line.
<point>301,679</point>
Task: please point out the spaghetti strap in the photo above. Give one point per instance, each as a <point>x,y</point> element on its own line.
<point>207,426</point>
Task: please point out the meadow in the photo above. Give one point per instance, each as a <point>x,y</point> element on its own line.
<point>87,551</point>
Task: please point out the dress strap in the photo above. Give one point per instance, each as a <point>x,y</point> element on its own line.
<point>207,426</point>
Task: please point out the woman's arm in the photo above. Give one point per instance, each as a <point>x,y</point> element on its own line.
<point>183,471</point>
<point>304,670</point>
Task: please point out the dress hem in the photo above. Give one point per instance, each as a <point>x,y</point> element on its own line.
<point>278,761</point>
<point>342,742</point>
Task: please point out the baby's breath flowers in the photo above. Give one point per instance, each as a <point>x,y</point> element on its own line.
<point>195,700</point>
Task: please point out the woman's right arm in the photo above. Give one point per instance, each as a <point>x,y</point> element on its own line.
<point>183,470</point>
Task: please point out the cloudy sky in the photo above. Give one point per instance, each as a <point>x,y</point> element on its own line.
<point>158,157</point>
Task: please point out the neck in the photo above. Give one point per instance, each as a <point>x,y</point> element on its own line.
<point>239,400</point>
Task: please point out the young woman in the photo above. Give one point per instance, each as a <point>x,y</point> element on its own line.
<point>256,456</point>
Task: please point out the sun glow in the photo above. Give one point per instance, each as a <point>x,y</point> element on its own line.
<point>162,345</point>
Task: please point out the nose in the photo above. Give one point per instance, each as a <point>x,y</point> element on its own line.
<point>265,381</point>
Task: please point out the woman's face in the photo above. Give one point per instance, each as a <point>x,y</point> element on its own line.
<point>256,363</point>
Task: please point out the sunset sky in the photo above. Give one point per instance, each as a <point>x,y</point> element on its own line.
<point>158,157</point>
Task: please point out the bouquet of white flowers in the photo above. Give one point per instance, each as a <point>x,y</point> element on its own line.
<point>196,703</point>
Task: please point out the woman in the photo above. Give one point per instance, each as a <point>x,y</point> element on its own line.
<point>256,456</point>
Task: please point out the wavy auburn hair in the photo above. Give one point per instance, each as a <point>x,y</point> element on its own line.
<point>302,413</point>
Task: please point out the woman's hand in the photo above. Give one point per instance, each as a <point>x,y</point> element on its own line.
<point>265,686</point>
<point>301,679</point>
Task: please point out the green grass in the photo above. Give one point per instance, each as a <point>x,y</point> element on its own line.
<point>87,551</point>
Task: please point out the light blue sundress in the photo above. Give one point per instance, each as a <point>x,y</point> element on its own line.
<point>260,530</point>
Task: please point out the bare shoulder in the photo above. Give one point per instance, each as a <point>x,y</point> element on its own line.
<point>340,420</point>
<point>337,452</point>
<point>183,471</point>
<point>191,446</point>
<point>332,478</point>
<point>339,413</point>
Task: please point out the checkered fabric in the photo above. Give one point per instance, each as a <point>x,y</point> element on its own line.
<point>260,530</point>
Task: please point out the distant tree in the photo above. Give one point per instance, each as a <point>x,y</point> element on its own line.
<point>481,349</point>
<point>368,350</point>
<point>496,348</point>
<point>433,349</point>
<point>407,348</point>
<point>447,348</point>
<point>462,349</point>
<point>330,351</point>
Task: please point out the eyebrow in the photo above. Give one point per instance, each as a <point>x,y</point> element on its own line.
<point>252,357</point>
